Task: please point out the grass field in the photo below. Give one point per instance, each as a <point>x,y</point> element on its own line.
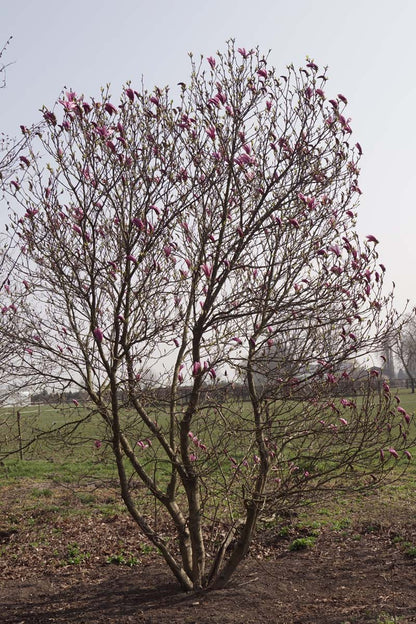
<point>71,452</point>
<point>60,510</point>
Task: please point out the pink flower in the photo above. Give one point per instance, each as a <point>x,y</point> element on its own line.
<point>342,98</point>
<point>75,402</point>
<point>393,452</point>
<point>130,94</point>
<point>262,73</point>
<point>132,258</point>
<point>25,160</point>
<point>97,444</point>
<point>372,239</point>
<point>50,117</point>
<point>211,61</point>
<point>104,131</point>
<point>237,340</point>
<point>142,444</point>
<point>405,415</point>
<point>343,421</point>
<point>110,108</point>
<point>207,269</point>
<point>138,223</point>
<point>408,455</point>
<point>98,335</point>
<point>196,368</point>
<point>211,132</point>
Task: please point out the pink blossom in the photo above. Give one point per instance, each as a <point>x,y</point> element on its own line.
<point>262,73</point>
<point>211,132</point>
<point>243,52</point>
<point>196,368</point>
<point>130,94</point>
<point>75,402</point>
<point>104,131</point>
<point>408,455</point>
<point>98,335</point>
<point>132,258</point>
<point>142,444</point>
<point>393,452</point>
<point>343,421</point>
<point>372,239</point>
<point>405,415</point>
<point>211,61</point>
<point>97,444</point>
<point>138,223</point>
<point>50,117</point>
<point>110,108</point>
<point>244,159</point>
<point>342,98</point>
<point>207,269</point>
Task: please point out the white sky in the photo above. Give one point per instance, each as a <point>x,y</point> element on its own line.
<point>369,46</point>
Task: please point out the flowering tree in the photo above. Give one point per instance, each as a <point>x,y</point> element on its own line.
<point>9,152</point>
<point>198,241</point>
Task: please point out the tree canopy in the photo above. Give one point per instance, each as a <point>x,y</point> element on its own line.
<point>168,252</point>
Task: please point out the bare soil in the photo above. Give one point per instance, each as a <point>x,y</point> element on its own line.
<point>54,567</point>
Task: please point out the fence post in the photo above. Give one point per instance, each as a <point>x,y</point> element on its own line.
<point>19,432</point>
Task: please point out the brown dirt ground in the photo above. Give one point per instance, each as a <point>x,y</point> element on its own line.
<point>357,575</point>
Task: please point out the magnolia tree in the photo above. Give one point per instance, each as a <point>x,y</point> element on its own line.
<point>9,154</point>
<point>194,269</point>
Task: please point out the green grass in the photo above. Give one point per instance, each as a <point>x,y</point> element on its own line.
<point>70,454</point>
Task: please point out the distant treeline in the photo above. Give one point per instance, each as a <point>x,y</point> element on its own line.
<point>221,392</point>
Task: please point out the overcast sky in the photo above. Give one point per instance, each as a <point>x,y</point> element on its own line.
<point>369,46</point>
